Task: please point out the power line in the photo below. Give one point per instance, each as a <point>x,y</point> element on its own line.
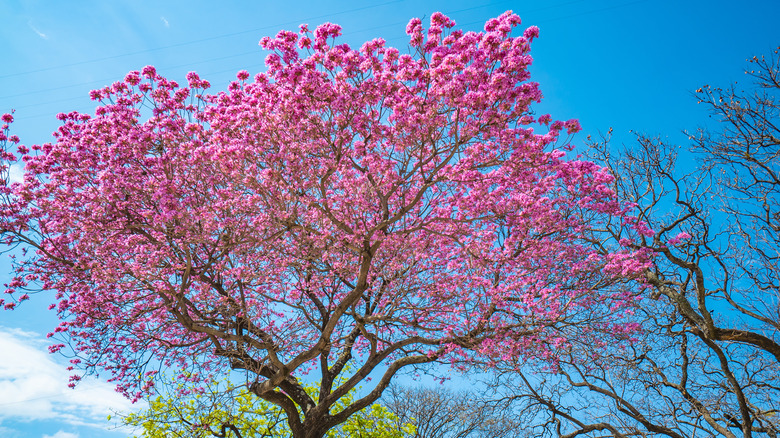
<point>216,37</point>
<point>272,26</point>
<point>114,79</point>
<point>353,32</point>
<point>91,107</point>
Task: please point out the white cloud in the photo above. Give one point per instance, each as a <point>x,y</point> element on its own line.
<point>62,434</point>
<point>16,173</point>
<point>33,386</point>
<point>165,22</point>
<point>40,34</point>
<point>7,432</point>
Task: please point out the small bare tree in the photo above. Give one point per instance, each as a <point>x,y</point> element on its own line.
<point>439,412</point>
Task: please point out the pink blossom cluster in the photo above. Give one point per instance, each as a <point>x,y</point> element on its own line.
<point>367,201</point>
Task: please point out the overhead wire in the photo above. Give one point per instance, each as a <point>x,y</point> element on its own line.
<point>186,43</point>
<point>256,30</point>
<point>273,26</point>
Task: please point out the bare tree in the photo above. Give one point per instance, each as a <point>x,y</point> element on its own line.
<point>707,361</point>
<point>439,412</point>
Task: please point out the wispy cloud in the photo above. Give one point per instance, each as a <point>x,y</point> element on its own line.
<point>165,22</point>
<point>7,432</point>
<point>40,34</point>
<point>33,386</point>
<point>62,434</point>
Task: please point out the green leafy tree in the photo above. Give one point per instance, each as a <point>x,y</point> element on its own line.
<point>224,410</point>
<point>376,422</point>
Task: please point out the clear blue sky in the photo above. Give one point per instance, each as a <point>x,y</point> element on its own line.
<point>626,64</point>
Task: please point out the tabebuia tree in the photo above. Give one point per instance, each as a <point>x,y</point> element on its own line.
<point>346,214</point>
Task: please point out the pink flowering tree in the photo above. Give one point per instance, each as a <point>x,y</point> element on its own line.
<point>347,213</point>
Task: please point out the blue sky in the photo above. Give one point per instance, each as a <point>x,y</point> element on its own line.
<point>625,64</point>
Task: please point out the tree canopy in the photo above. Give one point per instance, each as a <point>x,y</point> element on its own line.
<point>370,208</point>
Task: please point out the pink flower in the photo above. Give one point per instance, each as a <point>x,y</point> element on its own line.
<point>133,78</point>
<point>414,26</point>
<point>679,238</point>
<point>149,71</point>
<point>531,33</point>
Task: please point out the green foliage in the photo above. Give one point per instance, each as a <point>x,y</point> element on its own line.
<point>223,410</point>
<point>377,422</point>
<point>207,414</point>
